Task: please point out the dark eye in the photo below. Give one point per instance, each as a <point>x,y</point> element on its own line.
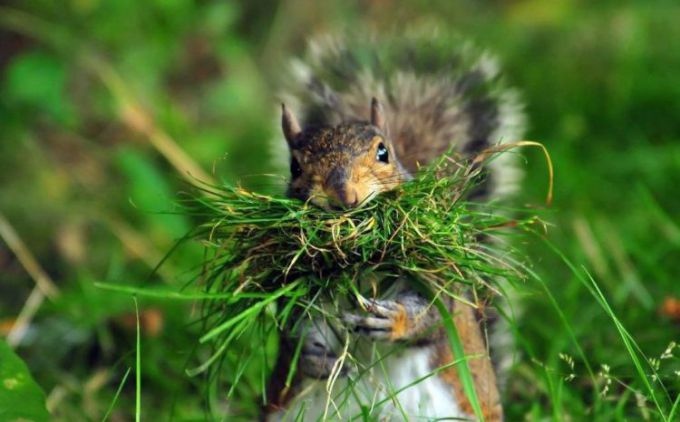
<point>295,169</point>
<point>382,155</point>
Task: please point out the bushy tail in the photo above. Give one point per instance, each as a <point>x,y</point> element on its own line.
<point>438,93</point>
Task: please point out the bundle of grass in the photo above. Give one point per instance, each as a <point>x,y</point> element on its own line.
<point>273,259</point>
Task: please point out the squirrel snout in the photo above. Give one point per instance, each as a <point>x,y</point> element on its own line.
<point>340,191</point>
<point>349,197</point>
<point>345,196</point>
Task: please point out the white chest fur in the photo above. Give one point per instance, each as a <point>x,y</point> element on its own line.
<point>400,386</point>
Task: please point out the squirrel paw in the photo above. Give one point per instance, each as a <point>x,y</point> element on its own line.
<point>319,362</point>
<point>388,319</point>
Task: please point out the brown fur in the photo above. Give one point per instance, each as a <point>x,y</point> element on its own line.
<point>480,364</point>
<point>401,324</point>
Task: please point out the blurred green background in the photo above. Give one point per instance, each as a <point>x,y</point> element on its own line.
<point>106,107</point>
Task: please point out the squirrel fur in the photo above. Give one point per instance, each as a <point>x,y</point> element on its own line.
<point>361,115</point>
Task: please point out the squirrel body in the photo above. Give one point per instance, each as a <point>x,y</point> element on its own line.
<point>372,112</point>
<point>403,371</point>
<point>428,399</point>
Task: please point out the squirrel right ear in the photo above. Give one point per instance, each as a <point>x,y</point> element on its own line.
<point>378,115</point>
<point>289,124</point>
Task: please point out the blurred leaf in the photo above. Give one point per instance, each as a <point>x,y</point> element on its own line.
<point>83,6</point>
<point>150,191</point>
<point>218,17</point>
<point>21,398</point>
<point>537,12</point>
<point>236,95</point>
<point>37,80</point>
<point>209,146</point>
<point>175,13</point>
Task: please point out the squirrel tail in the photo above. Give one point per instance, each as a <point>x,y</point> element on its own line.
<point>439,93</point>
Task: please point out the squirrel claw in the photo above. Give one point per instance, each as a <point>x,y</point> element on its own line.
<point>402,319</point>
<point>382,324</point>
<point>381,308</point>
<point>372,327</point>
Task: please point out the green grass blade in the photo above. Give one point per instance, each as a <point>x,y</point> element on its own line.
<point>138,365</point>
<point>250,312</point>
<point>115,397</point>
<point>674,409</point>
<point>629,343</point>
<point>172,294</point>
<point>463,368</point>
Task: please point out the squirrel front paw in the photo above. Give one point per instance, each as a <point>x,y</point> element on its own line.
<point>407,317</point>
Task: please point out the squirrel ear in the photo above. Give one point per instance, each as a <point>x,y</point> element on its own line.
<point>378,115</point>
<point>289,124</point>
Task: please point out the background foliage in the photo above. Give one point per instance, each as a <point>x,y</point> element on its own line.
<point>106,106</point>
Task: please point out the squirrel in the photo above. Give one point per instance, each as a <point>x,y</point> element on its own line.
<point>372,110</point>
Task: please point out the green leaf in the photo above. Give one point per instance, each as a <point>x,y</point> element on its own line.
<point>21,398</point>
<point>37,80</point>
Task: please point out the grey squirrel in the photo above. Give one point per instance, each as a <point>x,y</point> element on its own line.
<point>360,115</point>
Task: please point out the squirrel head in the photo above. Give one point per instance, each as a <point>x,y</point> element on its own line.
<point>341,166</point>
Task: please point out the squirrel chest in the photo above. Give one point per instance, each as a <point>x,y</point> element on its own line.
<point>400,387</point>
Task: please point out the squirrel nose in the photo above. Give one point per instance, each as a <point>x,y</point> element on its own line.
<point>340,191</point>
<point>343,196</point>
<point>349,197</point>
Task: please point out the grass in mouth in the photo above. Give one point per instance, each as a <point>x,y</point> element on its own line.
<point>272,259</point>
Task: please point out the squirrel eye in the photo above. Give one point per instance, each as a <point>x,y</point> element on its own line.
<point>295,169</point>
<point>382,154</point>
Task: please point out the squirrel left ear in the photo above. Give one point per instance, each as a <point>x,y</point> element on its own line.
<point>378,115</point>
<point>289,124</point>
